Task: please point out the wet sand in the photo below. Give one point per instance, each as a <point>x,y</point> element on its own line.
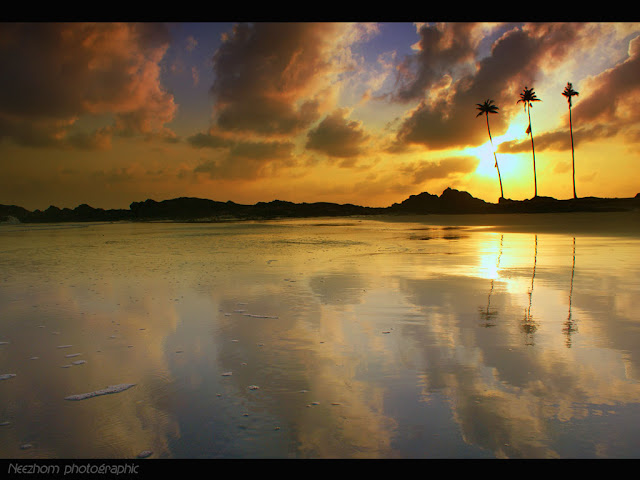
<point>330,337</point>
<point>575,223</point>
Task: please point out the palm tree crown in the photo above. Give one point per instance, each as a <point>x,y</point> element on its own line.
<point>486,108</point>
<point>569,92</point>
<point>527,96</point>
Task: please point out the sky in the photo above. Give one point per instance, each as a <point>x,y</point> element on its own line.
<point>107,114</point>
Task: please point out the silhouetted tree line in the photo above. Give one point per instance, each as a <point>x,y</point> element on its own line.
<point>451,201</point>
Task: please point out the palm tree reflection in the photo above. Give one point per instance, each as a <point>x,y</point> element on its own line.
<point>528,325</point>
<point>488,314</point>
<point>569,325</point>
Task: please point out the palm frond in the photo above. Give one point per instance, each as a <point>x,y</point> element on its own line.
<point>569,92</point>
<point>527,96</point>
<point>486,108</point>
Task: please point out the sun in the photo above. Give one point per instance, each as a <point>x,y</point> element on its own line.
<point>485,154</point>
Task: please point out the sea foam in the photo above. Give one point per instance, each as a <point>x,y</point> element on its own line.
<point>105,391</point>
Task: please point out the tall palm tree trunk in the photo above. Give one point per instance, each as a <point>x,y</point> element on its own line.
<point>533,150</point>
<point>573,159</point>
<point>570,92</point>
<point>495,157</point>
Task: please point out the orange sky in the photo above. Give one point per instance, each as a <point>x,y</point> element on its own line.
<point>108,114</point>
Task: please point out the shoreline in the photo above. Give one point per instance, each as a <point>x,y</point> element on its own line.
<point>624,223</point>
<point>585,215</point>
<point>604,223</point>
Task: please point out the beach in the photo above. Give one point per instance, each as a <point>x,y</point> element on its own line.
<point>359,337</point>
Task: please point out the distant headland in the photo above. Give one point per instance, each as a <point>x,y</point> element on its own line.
<point>188,209</point>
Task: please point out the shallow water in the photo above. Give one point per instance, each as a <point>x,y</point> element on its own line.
<point>318,338</point>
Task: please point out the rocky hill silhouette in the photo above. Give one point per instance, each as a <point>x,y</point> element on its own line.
<point>189,209</point>
<point>459,202</point>
<point>451,201</point>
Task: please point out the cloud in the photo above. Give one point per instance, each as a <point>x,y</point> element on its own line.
<point>451,86</point>
<point>248,160</point>
<point>191,43</point>
<point>421,172</point>
<point>273,82</point>
<point>195,75</point>
<point>271,78</point>
<point>338,137</point>
<point>558,140</point>
<point>442,49</point>
<point>562,167</point>
<point>613,96</point>
<point>57,74</point>
<point>209,140</point>
<point>608,105</point>
<point>96,140</point>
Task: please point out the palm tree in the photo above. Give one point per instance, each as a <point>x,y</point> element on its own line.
<point>486,108</point>
<point>570,92</point>
<point>526,97</point>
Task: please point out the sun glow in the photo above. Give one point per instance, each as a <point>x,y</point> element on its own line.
<point>515,131</point>
<point>485,154</point>
<point>490,266</point>
<point>506,161</point>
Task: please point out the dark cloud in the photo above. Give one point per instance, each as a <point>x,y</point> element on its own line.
<point>559,140</point>
<point>96,140</point>
<point>441,49</point>
<point>265,115</point>
<point>249,160</point>
<point>266,75</point>
<point>336,136</point>
<point>614,95</point>
<point>209,140</point>
<point>420,172</point>
<point>115,175</point>
<point>273,81</point>
<point>608,105</point>
<point>262,150</point>
<point>56,73</point>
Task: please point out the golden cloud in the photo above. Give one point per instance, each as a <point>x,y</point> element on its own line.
<point>336,136</point>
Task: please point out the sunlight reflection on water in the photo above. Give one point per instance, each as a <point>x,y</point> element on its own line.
<point>365,339</point>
